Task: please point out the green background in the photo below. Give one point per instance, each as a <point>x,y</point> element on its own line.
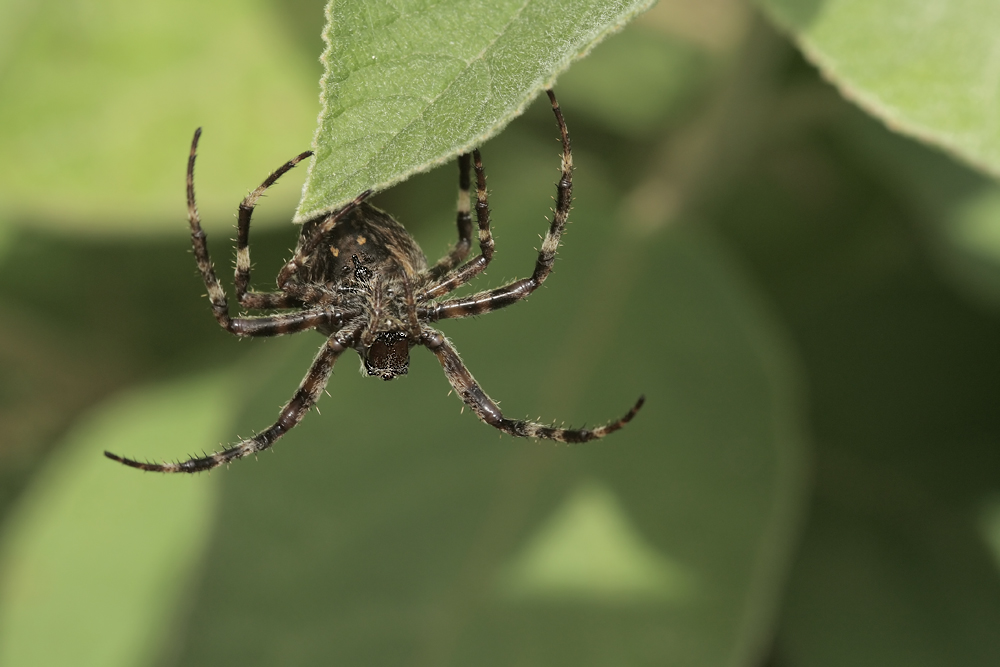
<point>807,299</point>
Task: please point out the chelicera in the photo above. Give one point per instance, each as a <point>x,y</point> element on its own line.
<point>360,279</point>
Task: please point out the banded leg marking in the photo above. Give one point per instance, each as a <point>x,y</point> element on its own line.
<point>242,278</point>
<point>277,325</point>
<point>463,222</point>
<point>270,300</point>
<point>484,302</point>
<point>199,243</point>
<point>304,398</point>
<point>477,265</point>
<point>487,410</point>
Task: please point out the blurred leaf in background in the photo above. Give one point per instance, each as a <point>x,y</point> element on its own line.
<point>928,69</point>
<point>788,281</point>
<point>95,563</point>
<point>100,100</point>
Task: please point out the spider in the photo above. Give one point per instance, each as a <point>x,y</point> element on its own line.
<point>360,279</point>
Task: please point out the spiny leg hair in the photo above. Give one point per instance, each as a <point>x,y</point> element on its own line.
<point>455,370</point>
<point>485,302</point>
<point>286,323</point>
<point>258,300</point>
<point>455,279</point>
<point>199,243</point>
<point>487,410</point>
<point>463,222</point>
<point>305,397</point>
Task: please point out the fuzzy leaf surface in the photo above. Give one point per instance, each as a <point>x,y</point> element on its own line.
<point>411,84</point>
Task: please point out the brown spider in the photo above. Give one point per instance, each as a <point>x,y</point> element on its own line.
<point>360,279</point>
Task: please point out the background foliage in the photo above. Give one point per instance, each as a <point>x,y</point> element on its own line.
<point>807,299</point>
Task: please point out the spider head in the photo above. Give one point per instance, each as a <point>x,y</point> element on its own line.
<point>389,355</point>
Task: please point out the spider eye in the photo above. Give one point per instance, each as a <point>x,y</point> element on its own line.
<point>389,355</point>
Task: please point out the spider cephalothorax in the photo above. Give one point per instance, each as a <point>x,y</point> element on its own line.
<point>359,278</point>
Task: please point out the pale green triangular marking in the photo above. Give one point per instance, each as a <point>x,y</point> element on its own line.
<point>589,549</point>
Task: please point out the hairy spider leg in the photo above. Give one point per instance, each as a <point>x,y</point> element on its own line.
<point>285,323</point>
<point>305,397</point>
<point>487,410</point>
<point>463,221</point>
<point>325,304</point>
<point>306,246</point>
<point>199,242</point>
<point>484,302</point>
<point>478,264</point>
<point>258,300</point>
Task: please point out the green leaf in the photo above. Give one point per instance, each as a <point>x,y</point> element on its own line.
<point>891,571</point>
<point>926,69</point>
<point>394,528</point>
<point>589,551</point>
<point>878,588</point>
<point>101,98</point>
<point>6,237</point>
<point>957,207</point>
<point>97,556</point>
<point>664,73</point>
<point>411,84</point>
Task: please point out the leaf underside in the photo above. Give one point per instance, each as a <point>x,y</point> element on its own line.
<point>409,85</point>
<point>929,70</point>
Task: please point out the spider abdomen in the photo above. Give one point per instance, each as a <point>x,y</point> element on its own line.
<point>379,242</point>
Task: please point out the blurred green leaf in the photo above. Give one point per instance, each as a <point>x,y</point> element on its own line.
<point>663,73</point>
<point>153,324</point>
<point>6,238</point>
<point>832,218</point>
<point>409,85</point>
<point>100,100</point>
<point>969,237</point>
<point>957,207</point>
<point>978,228</point>
<point>97,556</point>
<point>926,69</point>
<point>589,551</point>
<point>392,529</point>
<point>989,526</point>
<point>877,588</point>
